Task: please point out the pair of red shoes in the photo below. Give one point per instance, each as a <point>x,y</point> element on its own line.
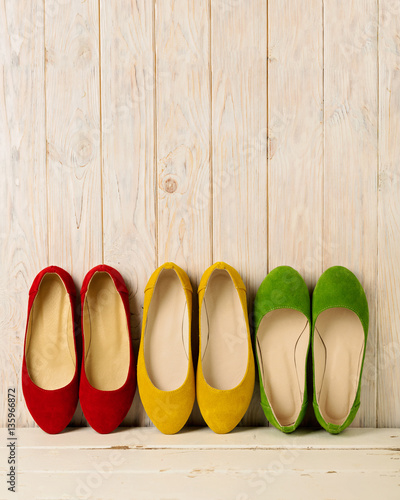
<point>50,369</point>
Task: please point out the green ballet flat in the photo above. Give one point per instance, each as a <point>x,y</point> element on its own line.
<point>282,319</point>
<point>339,337</point>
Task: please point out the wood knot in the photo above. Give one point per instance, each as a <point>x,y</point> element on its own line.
<point>85,54</point>
<point>82,149</point>
<point>170,185</point>
<point>80,52</point>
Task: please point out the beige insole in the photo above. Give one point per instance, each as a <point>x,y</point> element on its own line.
<point>166,339</point>
<point>282,340</point>
<point>224,338</point>
<point>338,351</point>
<point>106,334</point>
<point>50,351</point>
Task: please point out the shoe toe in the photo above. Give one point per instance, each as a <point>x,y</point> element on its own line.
<point>170,416</point>
<point>222,410</point>
<point>168,410</point>
<point>52,410</point>
<point>105,410</point>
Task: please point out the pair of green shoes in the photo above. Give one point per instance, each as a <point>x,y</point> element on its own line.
<point>334,325</point>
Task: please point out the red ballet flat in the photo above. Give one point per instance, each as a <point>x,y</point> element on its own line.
<point>108,374</point>
<point>50,366</point>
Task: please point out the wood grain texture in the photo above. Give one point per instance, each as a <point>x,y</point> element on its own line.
<point>203,438</point>
<point>198,131</point>
<point>252,463</point>
<point>239,146</point>
<point>183,134</point>
<point>296,141</point>
<point>73,135</point>
<point>295,131</point>
<point>350,166</point>
<point>127,111</point>
<point>23,223</point>
<point>182,36</point>
<point>234,483</point>
<point>73,138</point>
<point>388,328</point>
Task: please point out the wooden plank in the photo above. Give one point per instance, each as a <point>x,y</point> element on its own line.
<point>183,134</point>
<point>23,224</point>
<point>295,130</point>
<point>241,465</point>
<point>202,438</point>
<point>73,135</point>
<point>73,138</point>
<point>302,485</point>
<point>296,143</point>
<point>127,110</point>
<point>388,374</point>
<point>239,147</point>
<point>220,461</point>
<point>182,36</point>
<point>350,169</point>
<point>246,463</point>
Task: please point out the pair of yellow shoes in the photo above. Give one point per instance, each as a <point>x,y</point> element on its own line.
<point>225,370</point>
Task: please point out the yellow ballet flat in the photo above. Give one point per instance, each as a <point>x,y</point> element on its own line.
<point>225,371</point>
<point>165,368</point>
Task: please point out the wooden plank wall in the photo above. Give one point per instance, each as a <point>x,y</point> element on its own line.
<point>239,146</point>
<point>259,133</point>
<point>350,152</point>
<point>388,285</point>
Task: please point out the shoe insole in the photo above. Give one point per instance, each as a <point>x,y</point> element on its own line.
<point>166,339</point>
<point>50,351</point>
<point>338,352</point>
<point>106,334</point>
<point>224,336</point>
<point>282,341</point>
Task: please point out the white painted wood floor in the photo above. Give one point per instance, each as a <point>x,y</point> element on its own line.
<point>249,463</point>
